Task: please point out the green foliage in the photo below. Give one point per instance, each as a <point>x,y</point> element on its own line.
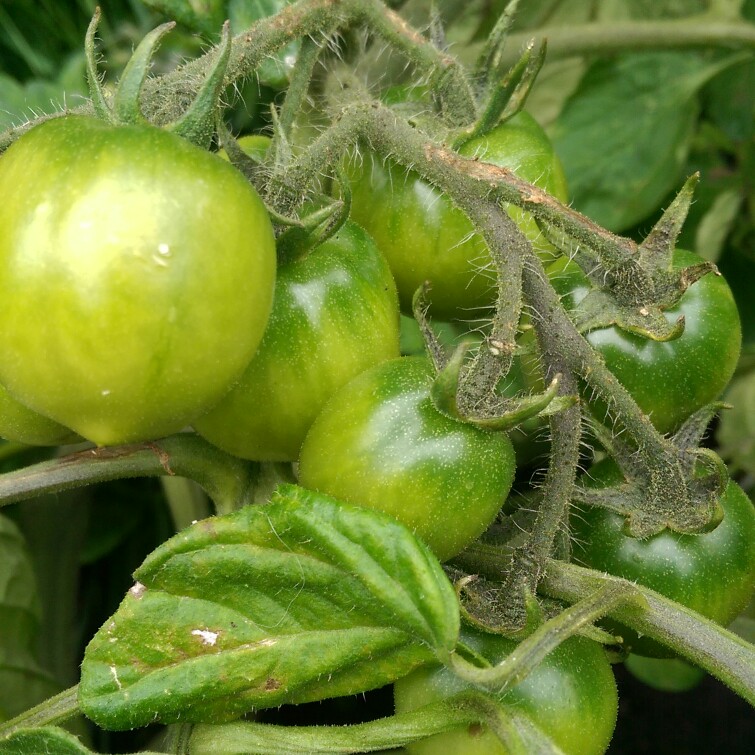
<point>625,133</point>
<point>298,600</point>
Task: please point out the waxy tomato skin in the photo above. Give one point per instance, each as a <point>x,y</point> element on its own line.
<point>425,237</point>
<point>136,277</point>
<point>570,697</point>
<point>334,316</point>
<point>381,443</point>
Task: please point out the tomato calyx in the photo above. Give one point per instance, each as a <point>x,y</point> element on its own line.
<point>631,287</point>
<point>488,605</point>
<point>198,122</point>
<point>681,493</point>
<point>321,222</point>
<point>507,88</point>
<point>449,398</point>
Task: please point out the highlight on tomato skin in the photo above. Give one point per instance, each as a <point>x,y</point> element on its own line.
<point>571,697</point>
<point>136,283</point>
<point>381,443</point>
<point>335,314</point>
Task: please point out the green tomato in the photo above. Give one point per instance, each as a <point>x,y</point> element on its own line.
<point>136,277</point>
<point>254,145</point>
<point>22,425</point>
<point>712,573</point>
<point>381,443</point>
<point>335,315</point>
<point>425,237</point>
<point>671,380</point>
<point>664,674</point>
<point>570,697</point>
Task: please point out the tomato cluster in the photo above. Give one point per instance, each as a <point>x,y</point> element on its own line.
<point>140,295</point>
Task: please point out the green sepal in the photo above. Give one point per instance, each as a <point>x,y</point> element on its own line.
<point>251,166</point>
<point>445,388</point>
<point>652,503</point>
<point>490,56</point>
<point>127,100</point>
<point>486,606</point>
<point>507,94</point>
<point>433,346</point>
<point>657,250</point>
<point>96,93</point>
<point>311,230</point>
<point>197,124</point>
<point>599,309</point>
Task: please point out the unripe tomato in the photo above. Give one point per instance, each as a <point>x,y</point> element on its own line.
<point>712,573</point>
<point>21,424</point>
<point>335,315</point>
<point>570,697</point>
<point>136,277</point>
<point>381,443</point>
<point>425,237</point>
<point>673,379</point>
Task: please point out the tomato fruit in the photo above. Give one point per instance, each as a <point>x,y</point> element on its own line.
<point>22,425</point>
<point>712,573</point>
<point>570,697</point>
<point>335,314</point>
<point>671,380</point>
<point>425,237</point>
<point>381,443</point>
<point>136,277</point>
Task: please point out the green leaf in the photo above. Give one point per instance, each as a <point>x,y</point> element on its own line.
<point>18,587</point>
<point>45,739</point>
<point>716,224</point>
<point>303,599</point>
<point>21,102</point>
<point>22,682</point>
<point>736,431</point>
<point>625,133</point>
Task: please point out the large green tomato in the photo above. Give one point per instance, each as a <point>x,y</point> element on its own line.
<point>335,315</point>
<point>670,380</point>
<point>570,697</point>
<point>712,573</point>
<point>381,443</point>
<point>425,237</point>
<point>21,424</point>
<point>136,277</point>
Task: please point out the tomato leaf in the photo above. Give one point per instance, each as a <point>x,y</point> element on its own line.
<point>302,599</point>
<point>624,134</point>
<point>23,683</point>
<point>43,739</point>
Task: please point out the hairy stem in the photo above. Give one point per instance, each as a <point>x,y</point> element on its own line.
<point>227,480</point>
<point>634,36</point>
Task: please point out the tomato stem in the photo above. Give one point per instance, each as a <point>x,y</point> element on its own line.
<point>229,481</point>
<point>52,711</point>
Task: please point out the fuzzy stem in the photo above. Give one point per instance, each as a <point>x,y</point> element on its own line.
<point>633,36</point>
<point>52,711</point>
<point>227,480</point>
